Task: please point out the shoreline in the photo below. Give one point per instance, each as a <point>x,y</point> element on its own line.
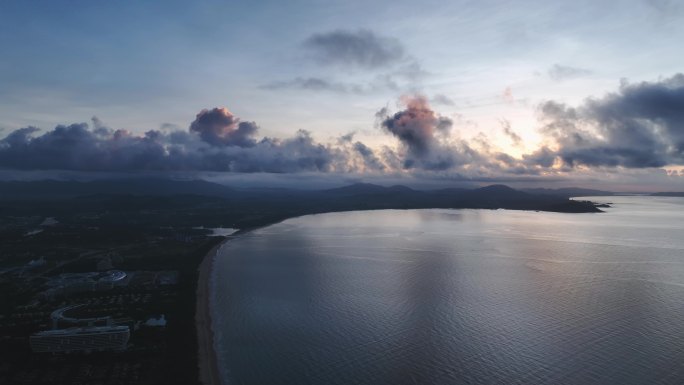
<point>207,360</point>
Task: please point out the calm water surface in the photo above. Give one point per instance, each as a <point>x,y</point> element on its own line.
<point>456,297</point>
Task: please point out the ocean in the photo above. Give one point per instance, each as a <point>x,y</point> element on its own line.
<point>456,297</point>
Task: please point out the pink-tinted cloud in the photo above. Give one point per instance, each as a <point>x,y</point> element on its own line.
<point>219,127</point>
<point>417,125</point>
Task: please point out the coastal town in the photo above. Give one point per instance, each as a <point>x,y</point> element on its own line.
<point>117,312</point>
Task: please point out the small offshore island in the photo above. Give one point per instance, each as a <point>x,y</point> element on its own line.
<point>156,232</point>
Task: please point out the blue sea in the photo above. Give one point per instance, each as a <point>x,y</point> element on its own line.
<point>456,297</point>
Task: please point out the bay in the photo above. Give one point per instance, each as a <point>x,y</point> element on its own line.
<point>456,297</point>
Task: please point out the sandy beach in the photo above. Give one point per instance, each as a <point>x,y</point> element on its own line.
<point>206,356</point>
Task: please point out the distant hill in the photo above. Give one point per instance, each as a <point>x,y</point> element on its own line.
<point>360,189</point>
<point>360,196</point>
<point>669,194</point>
<point>364,195</point>
<point>497,191</point>
<point>568,192</point>
<point>53,189</point>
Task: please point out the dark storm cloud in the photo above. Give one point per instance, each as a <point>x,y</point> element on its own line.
<point>368,155</point>
<point>543,157</point>
<point>423,135</point>
<point>216,141</point>
<point>361,48</point>
<point>416,126</point>
<point>359,156</point>
<point>18,137</point>
<point>219,127</point>
<point>560,72</point>
<point>641,125</point>
<point>79,147</point>
<point>296,154</point>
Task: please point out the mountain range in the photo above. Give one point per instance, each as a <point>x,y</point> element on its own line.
<point>352,197</point>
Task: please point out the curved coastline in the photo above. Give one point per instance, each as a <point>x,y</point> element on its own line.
<point>207,359</point>
<point>206,356</point>
<point>278,357</point>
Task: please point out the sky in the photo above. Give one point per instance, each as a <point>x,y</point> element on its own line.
<point>525,93</point>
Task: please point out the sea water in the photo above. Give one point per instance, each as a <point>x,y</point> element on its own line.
<point>456,297</point>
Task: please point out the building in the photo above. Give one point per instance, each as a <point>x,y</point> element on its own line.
<point>85,335</point>
<point>72,283</point>
<point>81,339</point>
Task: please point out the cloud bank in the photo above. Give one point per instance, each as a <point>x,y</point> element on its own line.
<point>215,141</point>
<point>640,126</point>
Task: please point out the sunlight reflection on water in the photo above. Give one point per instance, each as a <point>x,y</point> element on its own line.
<point>457,296</point>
